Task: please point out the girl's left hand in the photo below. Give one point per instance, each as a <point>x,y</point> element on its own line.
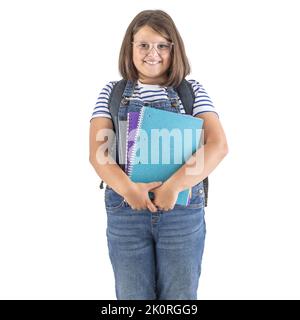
<point>165,196</point>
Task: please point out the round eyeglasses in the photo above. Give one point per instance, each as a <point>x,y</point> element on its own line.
<point>160,47</point>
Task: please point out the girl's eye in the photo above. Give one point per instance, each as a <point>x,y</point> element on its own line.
<point>162,46</point>
<point>144,45</point>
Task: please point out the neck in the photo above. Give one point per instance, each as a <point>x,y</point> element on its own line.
<point>160,82</point>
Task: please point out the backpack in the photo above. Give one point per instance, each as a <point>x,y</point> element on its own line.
<point>187,97</point>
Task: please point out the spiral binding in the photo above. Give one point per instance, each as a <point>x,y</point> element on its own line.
<point>126,148</point>
<point>132,156</point>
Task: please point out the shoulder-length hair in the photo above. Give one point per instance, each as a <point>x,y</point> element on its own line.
<point>163,24</point>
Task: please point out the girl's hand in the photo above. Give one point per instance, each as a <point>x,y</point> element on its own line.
<point>165,196</point>
<point>137,195</point>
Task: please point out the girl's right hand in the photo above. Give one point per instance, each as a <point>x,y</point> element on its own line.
<point>137,195</point>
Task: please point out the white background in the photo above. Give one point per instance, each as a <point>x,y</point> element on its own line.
<point>57,55</point>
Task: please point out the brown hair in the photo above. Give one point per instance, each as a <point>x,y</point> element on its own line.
<point>163,24</point>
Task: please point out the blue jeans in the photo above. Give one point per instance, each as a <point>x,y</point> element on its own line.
<point>156,256</point>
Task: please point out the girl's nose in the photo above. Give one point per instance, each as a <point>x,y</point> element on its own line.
<point>153,52</point>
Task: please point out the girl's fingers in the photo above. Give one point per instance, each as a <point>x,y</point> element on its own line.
<point>151,206</point>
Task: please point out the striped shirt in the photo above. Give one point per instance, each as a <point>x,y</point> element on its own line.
<point>152,93</point>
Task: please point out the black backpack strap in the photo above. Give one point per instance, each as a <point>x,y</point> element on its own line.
<point>187,97</point>
<point>114,102</point>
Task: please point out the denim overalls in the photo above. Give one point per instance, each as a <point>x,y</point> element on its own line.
<point>155,256</point>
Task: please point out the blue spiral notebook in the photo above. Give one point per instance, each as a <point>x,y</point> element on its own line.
<point>132,125</point>
<point>158,143</point>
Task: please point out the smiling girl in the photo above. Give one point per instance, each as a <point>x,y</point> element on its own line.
<point>156,246</point>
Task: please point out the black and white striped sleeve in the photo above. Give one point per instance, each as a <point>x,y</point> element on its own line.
<point>202,103</point>
<point>101,107</point>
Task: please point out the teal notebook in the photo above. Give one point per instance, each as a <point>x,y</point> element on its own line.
<point>163,142</point>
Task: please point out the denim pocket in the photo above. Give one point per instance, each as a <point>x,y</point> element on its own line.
<point>112,199</point>
<point>197,199</point>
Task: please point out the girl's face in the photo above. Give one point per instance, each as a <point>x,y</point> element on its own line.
<point>152,65</point>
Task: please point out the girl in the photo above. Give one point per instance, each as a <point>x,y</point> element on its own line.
<point>155,246</point>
